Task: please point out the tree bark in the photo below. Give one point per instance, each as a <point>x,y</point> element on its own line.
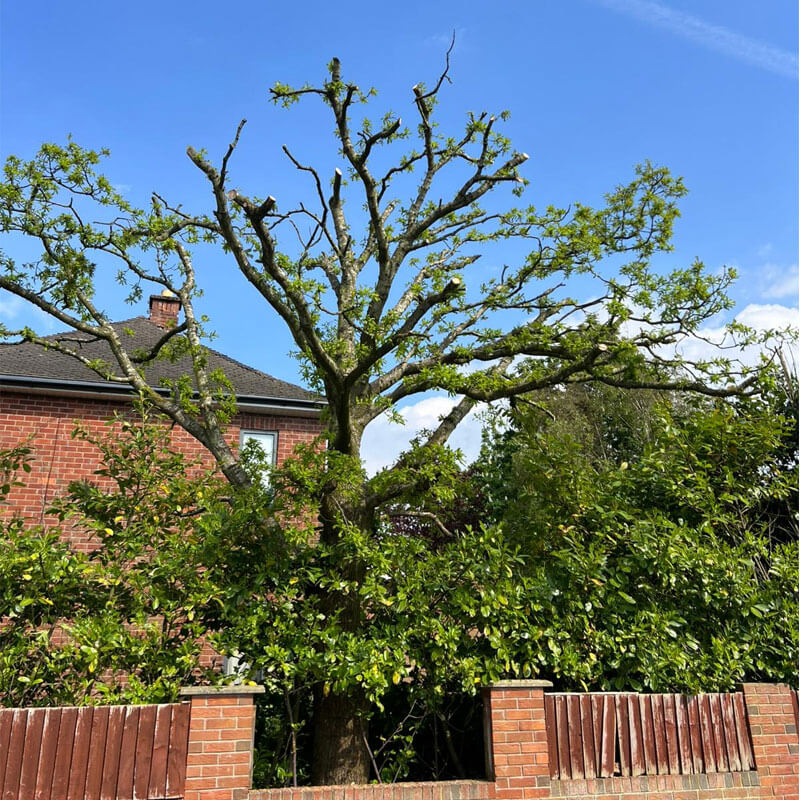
<point>339,754</point>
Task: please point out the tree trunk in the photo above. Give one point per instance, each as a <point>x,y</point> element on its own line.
<point>340,753</point>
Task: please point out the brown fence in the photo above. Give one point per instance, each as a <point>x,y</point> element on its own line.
<point>101,753</point>
<point>794,706</point>
<point>607,735</point>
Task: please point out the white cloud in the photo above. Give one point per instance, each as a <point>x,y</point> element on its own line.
<point>778,282</point>
<point>764,317</point>
<point>10,306</point>
<point>385,440</point>
<point>761,317</point>
<point>21,313</point>
<point>713,37</point>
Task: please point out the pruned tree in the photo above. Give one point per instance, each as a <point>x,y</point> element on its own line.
<point>378,279</point>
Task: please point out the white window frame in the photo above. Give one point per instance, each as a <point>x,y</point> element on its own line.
<point>247,435</point>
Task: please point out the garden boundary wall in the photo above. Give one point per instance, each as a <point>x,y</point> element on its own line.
<point>615,746</point>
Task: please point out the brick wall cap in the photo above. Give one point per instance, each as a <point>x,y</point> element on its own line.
<point>739,687</point>
<point>213,691</point>
<point>522,684</point>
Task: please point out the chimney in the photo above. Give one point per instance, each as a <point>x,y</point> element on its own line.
<point>164,309</point>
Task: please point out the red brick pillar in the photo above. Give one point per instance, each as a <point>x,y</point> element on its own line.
<point>221,725</point>
<point>516,739</point>
<point>773,729</point>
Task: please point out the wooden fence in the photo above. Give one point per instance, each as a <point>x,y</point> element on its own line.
<point>100,753</point>
<point>605,735</point>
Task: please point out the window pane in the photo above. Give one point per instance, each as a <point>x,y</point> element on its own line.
<point>266,441</point>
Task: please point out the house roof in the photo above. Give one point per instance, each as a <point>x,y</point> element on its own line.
<point>33,366</point>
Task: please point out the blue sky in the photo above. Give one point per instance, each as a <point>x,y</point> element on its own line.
<point>594,86</point>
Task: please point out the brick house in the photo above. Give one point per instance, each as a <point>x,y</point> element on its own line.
<point>43,393</point>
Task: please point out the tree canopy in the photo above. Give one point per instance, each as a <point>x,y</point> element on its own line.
<point>380,277</point>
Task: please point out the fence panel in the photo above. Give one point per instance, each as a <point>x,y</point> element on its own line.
<point>100,753</point>
<point>609,734</point>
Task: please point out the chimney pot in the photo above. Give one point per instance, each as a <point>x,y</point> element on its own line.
<point>164,309</point>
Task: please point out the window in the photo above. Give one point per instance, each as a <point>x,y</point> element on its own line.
<point>267,442</point>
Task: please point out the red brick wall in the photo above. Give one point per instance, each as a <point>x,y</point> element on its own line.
<point>60,459</point>
<point>773,730</point>
<point>441,790</point>
<point>219,765</point>
<point>516,739</point>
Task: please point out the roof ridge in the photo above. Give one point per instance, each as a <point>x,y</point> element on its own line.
<point>69,330</point>
<point>75,330</point>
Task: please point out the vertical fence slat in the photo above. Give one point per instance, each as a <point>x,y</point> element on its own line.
<point>157,786</point>
<point>97,746</point>
<point>609,736</point>
<point>719,736</point>
<point>623,734</point>
<point>671,728</point>
<point>648,735</point>
<point>6,718</point>
<point>144,751</point>
<point>47,756</point>
<point>111,753</point>
<point>31,753</point>
<point>562,725</point>
<point>587,735</point>
<point>695,734</point>
<point>707,732</point>
<point>795,706</point>
<point>552,735</point>
<point>597,724</point>
<point>16,747</point>
<point>80,754</point>
<point>743,732</point>
<point>127,754</point>
<point>684,737</point>
<point>66,737</point>
<point>178,749</point>
<point>660,731</point>
<point>729,724</point>
<point>575,743</point>
<point>637,746</point>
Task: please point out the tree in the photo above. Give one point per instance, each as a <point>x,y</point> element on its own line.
<point>382,303</point>
<point>661,532</point>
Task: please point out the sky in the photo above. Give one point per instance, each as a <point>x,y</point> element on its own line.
<point>708,88</point>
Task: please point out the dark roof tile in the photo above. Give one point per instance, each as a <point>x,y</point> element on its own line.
<point>28,360</point>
